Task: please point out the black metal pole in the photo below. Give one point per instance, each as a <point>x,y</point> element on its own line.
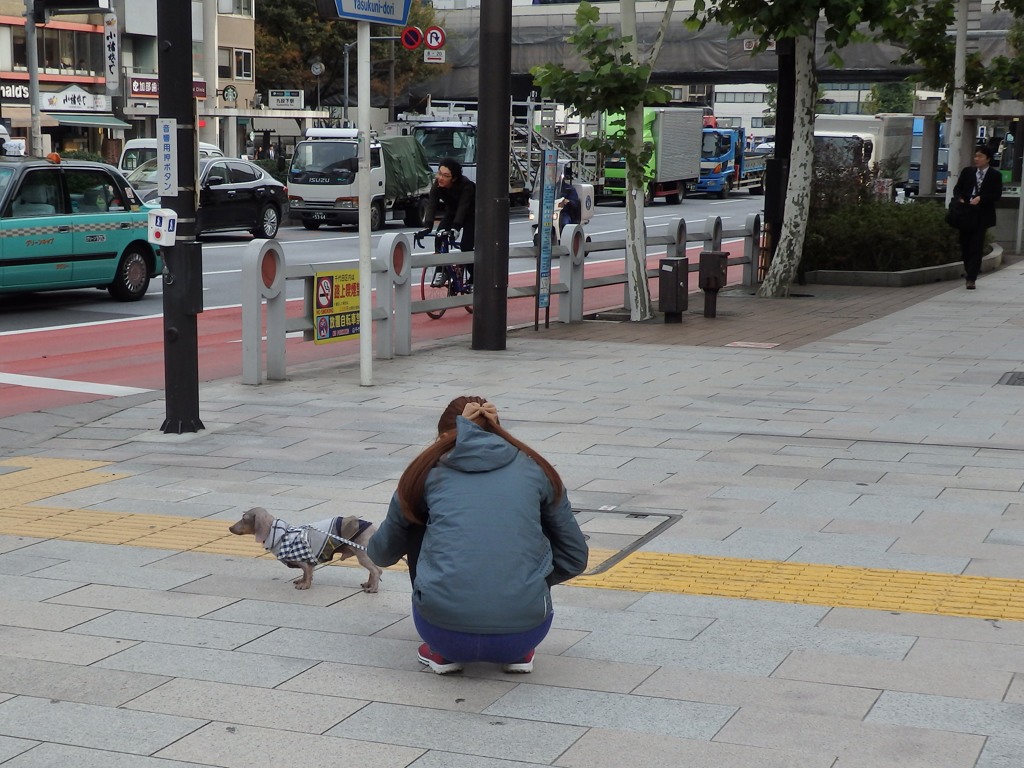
<point>183,261</point>
<point>490,263</point>
<point>777,177</point>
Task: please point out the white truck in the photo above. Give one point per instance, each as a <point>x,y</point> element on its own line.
<point>890,136</point>
<point>457,139</point>
<point>323,183</point>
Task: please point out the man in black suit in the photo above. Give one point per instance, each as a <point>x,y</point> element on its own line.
<point>979,185</point>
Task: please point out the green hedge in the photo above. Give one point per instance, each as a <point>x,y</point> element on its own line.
<point>279,170</point>
<point>879,236</point>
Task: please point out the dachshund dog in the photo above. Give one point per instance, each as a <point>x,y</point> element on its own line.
<point>306,546</point>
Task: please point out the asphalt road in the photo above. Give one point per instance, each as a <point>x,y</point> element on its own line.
<point>223,254</point>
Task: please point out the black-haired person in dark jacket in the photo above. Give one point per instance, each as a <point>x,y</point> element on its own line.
<point>979,185</point>
<point>459,197</point>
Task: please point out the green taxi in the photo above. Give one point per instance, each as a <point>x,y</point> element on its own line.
<point>72,224</point>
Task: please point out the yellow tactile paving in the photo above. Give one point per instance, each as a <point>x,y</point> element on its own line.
<point>812,584</point>
<point>35,479</point>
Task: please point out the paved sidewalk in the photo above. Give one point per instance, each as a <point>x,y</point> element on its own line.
<point>805,556</point>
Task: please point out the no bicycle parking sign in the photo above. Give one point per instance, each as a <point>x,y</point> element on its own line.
<point>336,311</point>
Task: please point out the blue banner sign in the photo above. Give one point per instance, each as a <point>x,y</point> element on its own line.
<point>394,12</point>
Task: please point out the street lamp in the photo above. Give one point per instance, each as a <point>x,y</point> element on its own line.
<point>348,47</point>
<point>345,49</point>
<point>317,69</point>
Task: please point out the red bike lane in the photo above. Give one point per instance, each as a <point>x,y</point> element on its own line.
<point>48,369</point>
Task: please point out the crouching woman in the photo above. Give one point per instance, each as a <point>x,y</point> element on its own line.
<point>486,526</point>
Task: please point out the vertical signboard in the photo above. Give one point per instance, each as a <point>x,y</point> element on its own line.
<point>547,209</point>
<point>336,311</point>
<point>167,155</point>
<point>111,54</point>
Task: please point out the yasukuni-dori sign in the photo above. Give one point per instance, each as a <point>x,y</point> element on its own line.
<point>376,11</point>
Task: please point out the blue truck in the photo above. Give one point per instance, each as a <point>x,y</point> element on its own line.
<point>726,164</point>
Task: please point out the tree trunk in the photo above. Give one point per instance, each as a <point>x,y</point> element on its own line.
<point>786,260</point>
<point>636,233</point>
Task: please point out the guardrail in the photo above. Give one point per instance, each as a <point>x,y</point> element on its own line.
<point>264,273</point>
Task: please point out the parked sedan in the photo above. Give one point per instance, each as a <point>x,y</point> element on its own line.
<point>233,194</point>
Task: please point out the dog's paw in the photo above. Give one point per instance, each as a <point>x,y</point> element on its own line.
<point>302,584</point>
<point>369,588</point>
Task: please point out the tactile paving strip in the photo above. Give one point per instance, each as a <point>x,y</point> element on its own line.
<point>32,480</point>
<point>813,584</point>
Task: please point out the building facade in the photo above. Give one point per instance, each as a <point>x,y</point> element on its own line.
<point>76,111</point>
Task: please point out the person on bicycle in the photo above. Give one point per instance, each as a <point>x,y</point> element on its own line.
<point>459,197</point>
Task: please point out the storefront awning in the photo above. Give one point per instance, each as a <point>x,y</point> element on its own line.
<point>93,120</point>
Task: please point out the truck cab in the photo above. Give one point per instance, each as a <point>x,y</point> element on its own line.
<point>322,186</point>
<point>726,164</point>
<point>451,138</point>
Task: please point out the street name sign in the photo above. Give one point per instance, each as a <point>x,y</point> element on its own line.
<point>394,12</point>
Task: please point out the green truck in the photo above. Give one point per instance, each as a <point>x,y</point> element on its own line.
<point>675,134</point>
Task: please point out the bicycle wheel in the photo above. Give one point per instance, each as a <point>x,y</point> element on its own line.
<point>430,291</point>
<point>458,286</point>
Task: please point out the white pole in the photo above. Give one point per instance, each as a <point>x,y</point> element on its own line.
<point>363,123</point>
<point>211,132</point>
<point>956,136</point>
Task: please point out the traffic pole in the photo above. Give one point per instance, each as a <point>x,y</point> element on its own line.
<point>490,261</point>
<point>183,261</point>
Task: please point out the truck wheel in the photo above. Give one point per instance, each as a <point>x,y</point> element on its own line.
<point>726,189</point>
<point>310,224</point>
<point>376,216</point>
<point>759,189</point>
<point>677,197</point>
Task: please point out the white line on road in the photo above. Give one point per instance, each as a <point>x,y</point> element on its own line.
<point>88,387</point>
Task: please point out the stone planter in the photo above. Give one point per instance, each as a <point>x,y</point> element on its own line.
<point>953,271</point>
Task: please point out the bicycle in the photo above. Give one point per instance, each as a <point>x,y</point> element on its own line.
<point>445,280</point>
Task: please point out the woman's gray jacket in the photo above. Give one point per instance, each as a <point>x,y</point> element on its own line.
<point>494,541</point>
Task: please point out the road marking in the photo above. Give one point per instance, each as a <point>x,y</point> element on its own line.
<point>34,479</point>
<point>63,385</point>
<point>88,324</point>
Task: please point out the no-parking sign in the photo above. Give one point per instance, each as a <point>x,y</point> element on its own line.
<point>336,315</point>
<point>412,38</point>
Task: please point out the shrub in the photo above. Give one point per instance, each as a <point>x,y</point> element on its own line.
<point>880,236</point>
<point>81,154</point>
<point>276,168</point>
<point>849,229</point>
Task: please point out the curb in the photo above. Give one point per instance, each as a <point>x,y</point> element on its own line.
<point>952,271</point>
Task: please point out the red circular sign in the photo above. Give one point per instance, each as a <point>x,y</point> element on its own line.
<point>412,38</point>
<point>435,38</point>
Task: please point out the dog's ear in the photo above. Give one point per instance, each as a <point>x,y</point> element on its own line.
<point>261,522</point>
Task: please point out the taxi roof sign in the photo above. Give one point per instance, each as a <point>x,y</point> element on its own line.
<point>395,12</point>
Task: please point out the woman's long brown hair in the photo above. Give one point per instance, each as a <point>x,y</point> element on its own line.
<point>410,486</point>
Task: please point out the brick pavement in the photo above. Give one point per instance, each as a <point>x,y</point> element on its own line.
<point>874,440</point>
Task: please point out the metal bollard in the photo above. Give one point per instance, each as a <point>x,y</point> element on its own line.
<point>711,278</point>
<point>672,289</point>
